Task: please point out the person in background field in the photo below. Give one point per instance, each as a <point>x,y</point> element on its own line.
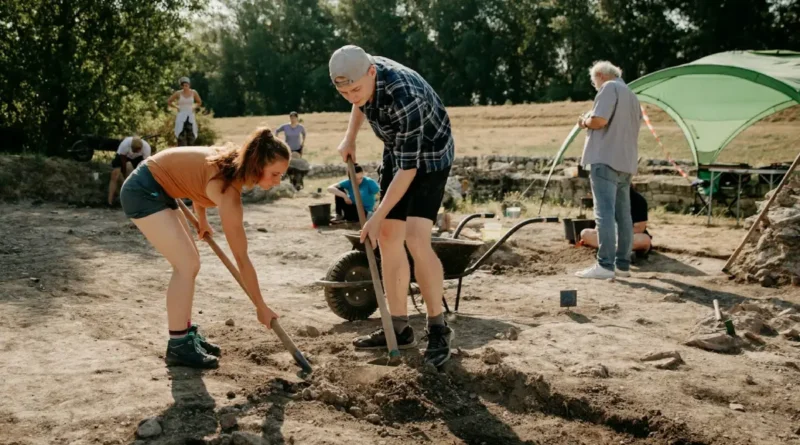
<point>409,117</point>
<point>642,240</point>
<point>188,101</point>
<point>211,177</point>
<point>612,151</point>
<point>294,133</point>
<point>132,150</point>
<point>346,200</point>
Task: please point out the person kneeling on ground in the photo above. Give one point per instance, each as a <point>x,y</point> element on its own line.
<point>642,240</point>
<point>132,150</point>
<point>210,177</point>
<point>346,200</point>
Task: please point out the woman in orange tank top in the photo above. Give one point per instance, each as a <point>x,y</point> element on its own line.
<point>210,177</point>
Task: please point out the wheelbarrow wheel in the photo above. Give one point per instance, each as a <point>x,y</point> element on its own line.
<point>351,303</point>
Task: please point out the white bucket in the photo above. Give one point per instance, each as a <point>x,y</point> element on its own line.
<point>492,231</point>
<point>513,212</point>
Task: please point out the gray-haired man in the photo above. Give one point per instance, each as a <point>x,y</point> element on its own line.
<point>408,116</point>
<point>612,151</point>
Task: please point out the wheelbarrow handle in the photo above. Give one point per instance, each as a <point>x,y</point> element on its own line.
<point>467,219</point>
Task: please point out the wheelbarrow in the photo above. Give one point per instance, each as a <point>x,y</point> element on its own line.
<point>348,286</point>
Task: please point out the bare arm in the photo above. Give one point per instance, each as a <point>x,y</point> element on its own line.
<point>172,99</point>
<point>400,184</point>
<point>231,213</point>
<point>334,189</point>
<point>198,102</point>
<point>595,123</point>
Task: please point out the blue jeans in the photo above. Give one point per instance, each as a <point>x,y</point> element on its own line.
<point>612,203</point>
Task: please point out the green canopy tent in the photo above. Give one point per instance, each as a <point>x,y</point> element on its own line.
<point>715,98</point>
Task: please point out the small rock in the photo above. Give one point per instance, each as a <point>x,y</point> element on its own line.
<point>718,342</point>
<point>643,321</point>
<point>472,395</point>
<point>262,229</point>
<point>34,279</point>
<point>754,338</point>
<point>491,356</point>
<point>791,334</point>
<point>670,364</point>
<point>310,331</point>
<point>749,380</point>
<point>499,336</point>
<point>148,428</point>
<point>609,307</point>
<point>229,322</point>
<point>228,421</point>
<point>673,298</point>
<point>797,431</point>
<point>653,356</point>
<point>736,407</point>
<point>789,311</point>
<point>373,418</point>
<point>512,334</point>
<point>792,365</point>
<point>356,412</point>
<point>380,398</point>
<point>200,312</point>
<point>309,394</point>
<point>231,395</point>
<point>767,281</point>
<point>242,438</point>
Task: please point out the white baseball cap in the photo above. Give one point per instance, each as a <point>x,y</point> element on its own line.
<point>348,64</point>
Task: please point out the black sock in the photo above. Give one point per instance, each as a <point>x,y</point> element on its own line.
<point>178,334</point>
<point>399,323</point>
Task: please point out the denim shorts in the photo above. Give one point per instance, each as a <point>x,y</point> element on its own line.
<point>142,195</point>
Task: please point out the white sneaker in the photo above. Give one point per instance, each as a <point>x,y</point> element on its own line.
<point>596,272</point>
<point>622,273</point>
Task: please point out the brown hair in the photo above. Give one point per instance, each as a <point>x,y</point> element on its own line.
<point>245,164</point>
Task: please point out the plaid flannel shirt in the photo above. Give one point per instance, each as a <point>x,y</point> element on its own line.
<point>408,116</point>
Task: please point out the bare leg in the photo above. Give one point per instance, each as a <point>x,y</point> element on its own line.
<point>113,185</point>
<point>589,237</point>
<point>641,242</point>
<point>396,271</point>
<point>168,235</point>
<point>427,267</point>
<point>192,234</point>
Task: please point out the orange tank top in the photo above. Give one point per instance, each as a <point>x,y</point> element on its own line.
<point>185,172</point>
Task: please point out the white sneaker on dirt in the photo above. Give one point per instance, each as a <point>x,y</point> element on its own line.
<point>597,272</point>
<point>623,273</point>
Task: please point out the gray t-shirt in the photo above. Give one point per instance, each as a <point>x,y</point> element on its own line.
<point>616,144</point>
<point>292,135</point>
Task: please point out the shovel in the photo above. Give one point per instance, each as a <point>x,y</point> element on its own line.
<point>386,318</point>
<point>298,356</point>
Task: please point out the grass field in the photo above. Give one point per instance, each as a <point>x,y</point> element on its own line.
<point>531,130</point>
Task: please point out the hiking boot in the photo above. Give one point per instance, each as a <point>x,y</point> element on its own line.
<point>210,348</point>
<point>438,350</point>
<point>186,351</point>
<point>377,340</point>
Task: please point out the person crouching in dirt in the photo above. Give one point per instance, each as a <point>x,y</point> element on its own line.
<point>345,198</point>
<point>642,240</point>
<point>409,117</point>
<point>210,177</point>
<point>132,150</point>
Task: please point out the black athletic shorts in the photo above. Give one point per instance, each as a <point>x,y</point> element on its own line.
<point>423,197</point>
<point>135,162</point>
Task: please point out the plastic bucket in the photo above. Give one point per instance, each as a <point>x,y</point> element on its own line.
<point>569,233</point>
<point>579,224</point>
<point>320,214</point>
<point>492,231</point>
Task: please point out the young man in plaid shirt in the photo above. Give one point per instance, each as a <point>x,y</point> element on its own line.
<point>408,116</point>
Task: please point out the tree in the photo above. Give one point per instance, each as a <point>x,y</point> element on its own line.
<point>86,66</point>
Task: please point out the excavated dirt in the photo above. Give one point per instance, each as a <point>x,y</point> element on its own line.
<point>82,338</point>
<point>773,257</point>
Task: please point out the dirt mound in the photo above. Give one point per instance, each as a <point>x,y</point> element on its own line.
<point>520,258</point>
<point>52,179</point>
<point>775,259</point>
